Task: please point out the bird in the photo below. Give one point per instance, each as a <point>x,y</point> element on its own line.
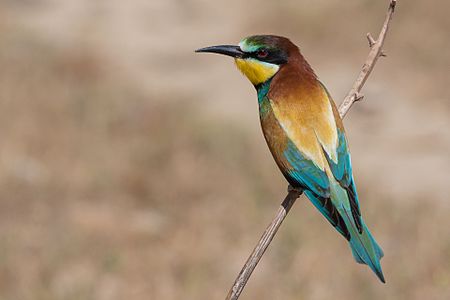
<point>305,135</point>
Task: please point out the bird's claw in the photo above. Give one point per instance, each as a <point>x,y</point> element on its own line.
<point>294,189</point>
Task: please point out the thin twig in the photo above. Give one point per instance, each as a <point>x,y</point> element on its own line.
<point>353,95</point>
<point>262,245</point>
<point>376,50</point>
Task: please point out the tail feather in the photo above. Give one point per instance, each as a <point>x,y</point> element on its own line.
<point>364,247</point>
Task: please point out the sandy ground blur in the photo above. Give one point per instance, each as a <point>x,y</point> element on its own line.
<point>132,168</point>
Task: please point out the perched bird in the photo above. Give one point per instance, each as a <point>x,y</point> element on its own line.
<point>305,135</point>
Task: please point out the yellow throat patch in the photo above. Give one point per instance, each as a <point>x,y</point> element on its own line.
<point>256,71</point>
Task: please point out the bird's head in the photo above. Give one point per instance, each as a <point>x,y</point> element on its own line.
<point>258,57</point>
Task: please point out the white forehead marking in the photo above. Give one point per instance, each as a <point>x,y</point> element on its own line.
<point>246,47</point>
<point>241,45</point>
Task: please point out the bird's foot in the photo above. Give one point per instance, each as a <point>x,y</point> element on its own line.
<point>294,189</point>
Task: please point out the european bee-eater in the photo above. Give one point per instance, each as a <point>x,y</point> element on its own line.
<point>305,135</point>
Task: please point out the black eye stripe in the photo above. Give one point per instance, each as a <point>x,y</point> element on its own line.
<point>273,56</point>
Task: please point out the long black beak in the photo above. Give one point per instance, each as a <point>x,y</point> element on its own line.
<point>233,51</point>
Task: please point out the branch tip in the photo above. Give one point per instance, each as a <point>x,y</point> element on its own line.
<point>392,4</point>
<point>370,39</point>
<point>375,52</point>
<point>359,97</point>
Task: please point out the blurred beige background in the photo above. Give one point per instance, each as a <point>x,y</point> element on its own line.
<point>132,168</point>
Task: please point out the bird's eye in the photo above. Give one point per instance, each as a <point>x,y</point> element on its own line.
<point>263,53</point>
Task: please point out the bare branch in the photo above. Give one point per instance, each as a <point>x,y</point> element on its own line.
<point>353,95</point>
<point>376,50</point>
<point>263,243</point>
